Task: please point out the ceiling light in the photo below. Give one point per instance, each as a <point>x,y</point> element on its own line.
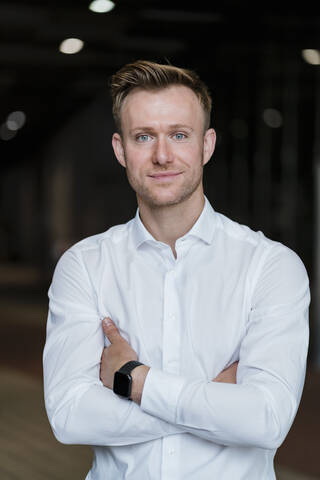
<point>311,56</point>
<point>101,6</point>
<point>15,120</point>
<point>71,45</point>
<point>272,117</point>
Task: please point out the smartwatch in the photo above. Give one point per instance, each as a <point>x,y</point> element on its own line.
<point>122,382</point>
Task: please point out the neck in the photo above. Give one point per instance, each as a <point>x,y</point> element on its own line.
<point>167,224</point>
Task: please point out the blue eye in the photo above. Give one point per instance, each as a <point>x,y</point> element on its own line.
<point>143,138</point>
<point>180,136</point>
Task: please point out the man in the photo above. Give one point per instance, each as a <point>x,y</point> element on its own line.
<point>184,294</point>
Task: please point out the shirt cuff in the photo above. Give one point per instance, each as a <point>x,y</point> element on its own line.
<point>161,394</point>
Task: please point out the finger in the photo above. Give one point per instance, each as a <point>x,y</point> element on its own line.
<point>218,377</point>
<point>232,366</point>
<point>110,330</point>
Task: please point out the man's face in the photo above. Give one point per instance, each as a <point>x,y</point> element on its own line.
<point>163,145</point>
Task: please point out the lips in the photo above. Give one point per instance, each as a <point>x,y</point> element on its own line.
<point>165,175</point>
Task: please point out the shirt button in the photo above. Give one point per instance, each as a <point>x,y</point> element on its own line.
<point>172,316</point>
<point>172,451</point>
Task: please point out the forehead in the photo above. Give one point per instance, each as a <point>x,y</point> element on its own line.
<point>177,104</point>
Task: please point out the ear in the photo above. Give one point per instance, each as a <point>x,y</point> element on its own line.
<point>209,143</point>
<point>118,149</point>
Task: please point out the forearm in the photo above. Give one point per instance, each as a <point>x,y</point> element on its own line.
<point>257,413</point>
<point>99,417</point>
<point>259,410</point>
<point>246,415</point>
<point>80,409</point>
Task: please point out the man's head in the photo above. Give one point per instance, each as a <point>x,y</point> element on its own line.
<point>148,75</point>
<point>163,139</point>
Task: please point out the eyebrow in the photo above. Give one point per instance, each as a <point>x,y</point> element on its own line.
<point>175,126</point>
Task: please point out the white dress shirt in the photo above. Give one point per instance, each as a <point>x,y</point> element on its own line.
<point>231,294</point>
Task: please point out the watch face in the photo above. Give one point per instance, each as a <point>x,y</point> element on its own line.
<point>122,384</point>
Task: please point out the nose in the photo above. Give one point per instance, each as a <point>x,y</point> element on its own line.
<point>162,153</point>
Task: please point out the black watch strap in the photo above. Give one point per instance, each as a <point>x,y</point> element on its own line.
<point>129,366</point>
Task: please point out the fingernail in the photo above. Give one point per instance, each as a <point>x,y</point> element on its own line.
<point>107,321</point>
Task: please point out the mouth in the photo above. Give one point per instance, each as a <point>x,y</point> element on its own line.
<point>165,175</point>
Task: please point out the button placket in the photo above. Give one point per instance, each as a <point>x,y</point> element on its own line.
<point>170,461</point>
<point>170,363</point>
<point>171,326</point>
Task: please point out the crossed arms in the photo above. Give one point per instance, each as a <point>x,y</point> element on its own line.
<point>257,411</point>
<point>120,352</point>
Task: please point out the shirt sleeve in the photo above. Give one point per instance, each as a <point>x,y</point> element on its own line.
<point>80,409</point>
<point>259,410</point>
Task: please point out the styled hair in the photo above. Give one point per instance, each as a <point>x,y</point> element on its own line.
<point>154,76</point>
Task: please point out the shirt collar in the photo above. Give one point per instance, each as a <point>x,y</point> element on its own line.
<point>203,228</point>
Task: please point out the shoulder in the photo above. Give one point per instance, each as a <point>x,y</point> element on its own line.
<point>240,233</point>
<point>270,260</point>
<point>93,246</point>
<point>272,251</point>
<point>276,273</point>
<point>113,235</point>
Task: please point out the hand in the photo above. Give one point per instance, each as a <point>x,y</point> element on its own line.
<point>228,375</point>
<point>116,355</point>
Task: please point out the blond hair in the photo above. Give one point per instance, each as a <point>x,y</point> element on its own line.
<point>154,76</point>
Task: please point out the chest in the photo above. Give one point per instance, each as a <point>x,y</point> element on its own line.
<point>189,319</point>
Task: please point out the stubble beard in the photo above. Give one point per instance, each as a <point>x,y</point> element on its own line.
<point>150,197</point>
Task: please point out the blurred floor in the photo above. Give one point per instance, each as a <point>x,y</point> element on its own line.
<point>28,449</point>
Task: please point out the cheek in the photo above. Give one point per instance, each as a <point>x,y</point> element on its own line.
<point>134,159</point>
<point>136,166</point>
<point>192,156</point>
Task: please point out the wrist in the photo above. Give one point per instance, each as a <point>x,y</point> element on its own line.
<point>139,375</point>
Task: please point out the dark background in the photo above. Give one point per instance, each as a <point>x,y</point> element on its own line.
<point>60,182</point>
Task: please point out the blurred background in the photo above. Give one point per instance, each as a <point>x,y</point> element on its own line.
<point>60,182</point>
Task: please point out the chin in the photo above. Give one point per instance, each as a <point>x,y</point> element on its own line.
<point>160,201</point>
<point>164,196</point>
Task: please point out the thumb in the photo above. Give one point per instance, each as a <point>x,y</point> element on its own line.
<point>110,330</point>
